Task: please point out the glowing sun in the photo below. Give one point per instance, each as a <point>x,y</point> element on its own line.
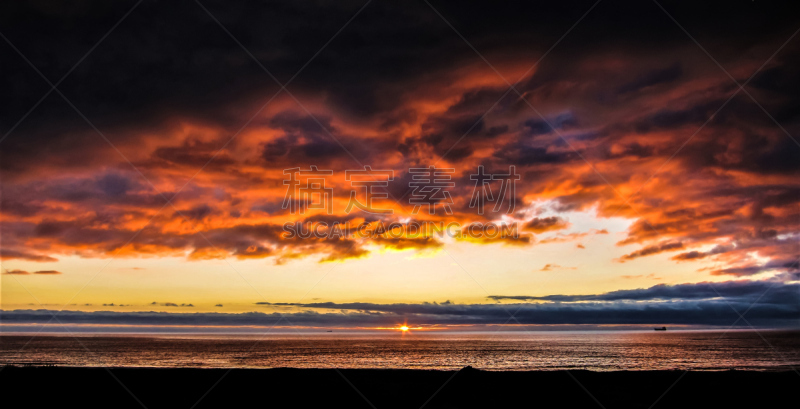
<point>404,328</point>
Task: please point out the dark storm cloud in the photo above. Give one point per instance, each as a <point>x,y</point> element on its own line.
<point>751,150</point>
<point>667,119</point>
<point>656,77</point>
<point>114,184</point>
<point>169,88</point>
<point>173,55</point>
<point>308,140</point>
<point>113,188</point>
<point>198,212</point>
<point>521,154</point>
<point>192,153</point>
<point>305,140</point>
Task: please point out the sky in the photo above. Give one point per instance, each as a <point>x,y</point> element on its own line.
<point>650,153</point>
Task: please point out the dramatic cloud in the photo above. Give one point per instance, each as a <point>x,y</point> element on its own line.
<point>630,119</point>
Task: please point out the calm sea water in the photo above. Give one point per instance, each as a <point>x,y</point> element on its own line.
<point>601,351</point>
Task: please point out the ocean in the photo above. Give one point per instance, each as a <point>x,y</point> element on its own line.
<point>765,350</point>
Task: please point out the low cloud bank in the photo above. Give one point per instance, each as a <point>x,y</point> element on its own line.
<point>763,304</point>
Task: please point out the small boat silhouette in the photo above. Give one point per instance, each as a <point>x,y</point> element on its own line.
<point>660,329</point>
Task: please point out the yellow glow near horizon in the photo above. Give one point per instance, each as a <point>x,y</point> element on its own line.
<point>175,284</point>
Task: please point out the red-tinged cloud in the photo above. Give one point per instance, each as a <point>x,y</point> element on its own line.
<point>402,243</point>
<point>650,250</point>
<point>9,254</point>
<point>695,255</point>
<point>47,272</point>
<point>544,224</point>
<point>197,163</point>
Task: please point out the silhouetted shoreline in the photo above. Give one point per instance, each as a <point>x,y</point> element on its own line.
<point>392,388</point>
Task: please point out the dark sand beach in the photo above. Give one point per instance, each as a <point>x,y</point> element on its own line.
<point>467,388</point>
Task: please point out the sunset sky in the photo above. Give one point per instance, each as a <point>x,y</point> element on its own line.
<point>656,144</point>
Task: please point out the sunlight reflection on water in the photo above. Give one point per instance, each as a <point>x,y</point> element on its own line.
<point>602,351</point>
